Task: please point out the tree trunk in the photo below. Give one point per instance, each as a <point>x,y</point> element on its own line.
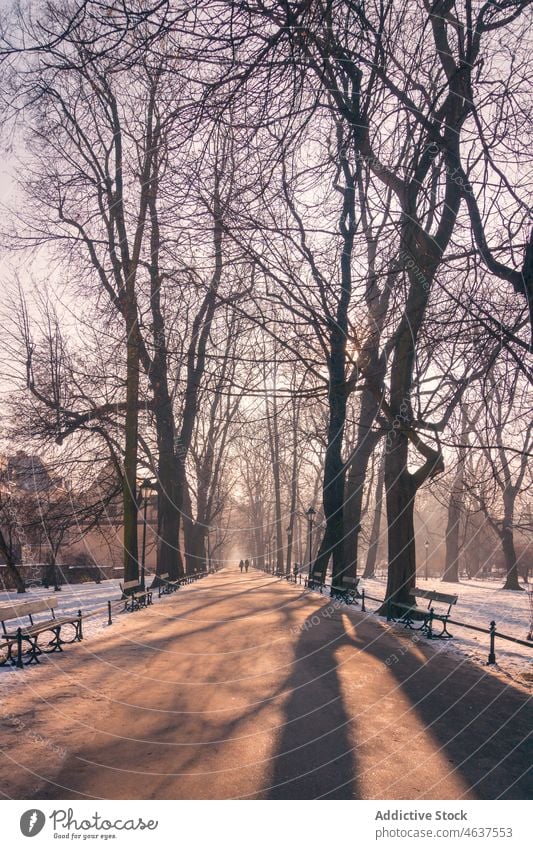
<point>8,548</point>
<point>401,485</point>
<point>189,537</point>
<point>196,357</point>
<point>371,557</point>
<point>50,578</point>
<point>168,514</point>
<point>273,439</point>
<point>334,467</point>
<point>472,553</point>
<point>131,551</point>
<point>195,547</point>
<point>451,569</point>
<point>293,486</point>
<point>168,553</point>
<point>455,511</point>
<point>332,544</point>
<point>15,576</point>
<point>400,495</point>
<point>367,440</point>
<point>507,538</point>
<point>259,545</point>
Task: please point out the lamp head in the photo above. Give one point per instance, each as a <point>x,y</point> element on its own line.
<point>147,486</point>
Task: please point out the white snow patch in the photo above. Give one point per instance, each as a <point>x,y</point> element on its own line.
<point>90,598</point>
<point>480,603</point>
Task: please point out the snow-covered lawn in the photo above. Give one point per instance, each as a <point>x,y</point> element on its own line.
<point>90,598</point>
<point>479,603</point>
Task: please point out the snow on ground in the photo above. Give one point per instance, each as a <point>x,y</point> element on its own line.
<point>88,597</point>
<point>479,603</point>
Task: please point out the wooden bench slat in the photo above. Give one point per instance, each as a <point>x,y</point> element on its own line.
<point>422,611</point>
<point>44,626</point>
<point>41,626</point>
<point>428,614</point>
<point>444,598</point>
<point>26,608</point>
<point>433,595</point>
<point>423,593</point>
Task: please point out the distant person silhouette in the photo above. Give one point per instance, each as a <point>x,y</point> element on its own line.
<point>246,564</point>
<point>241,565</point>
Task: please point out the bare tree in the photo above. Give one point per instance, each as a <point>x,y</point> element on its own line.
<point>506,441</point>
<point>11,531</point>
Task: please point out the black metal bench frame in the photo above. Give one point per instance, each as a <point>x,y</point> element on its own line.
<point>426,615</point>
<point>165,586</point>
<point>315,582</point>
<point>135,598</point>
<point>347,590</point>
<point>28,635</point>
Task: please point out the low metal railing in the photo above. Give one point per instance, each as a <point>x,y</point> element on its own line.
<point>491,630</point>
<point>116,606</point>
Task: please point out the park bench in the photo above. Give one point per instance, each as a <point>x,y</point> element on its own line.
<point>134,596</point>
<point>165,586</point>
<point>427,615</point>
<point>346,590</point>
<point>315,581</point>
<point>162,585</point>
<point>23,638</point>
<point>192,578</point>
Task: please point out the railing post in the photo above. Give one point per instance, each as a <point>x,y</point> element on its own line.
<point>492,653</point>
<point>109,620</point>
<point>363,610</point>
<point>19,648</point>
<point>430,624</point>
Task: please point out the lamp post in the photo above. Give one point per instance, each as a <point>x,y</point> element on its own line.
<point>426,563</point>
<point>311,513</point>
<point>147,486</point>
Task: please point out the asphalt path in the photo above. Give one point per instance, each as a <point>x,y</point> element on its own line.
<point>245,686</point>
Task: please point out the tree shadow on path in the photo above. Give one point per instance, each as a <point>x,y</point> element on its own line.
<point>315,757</point>
<point>482,723</point>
